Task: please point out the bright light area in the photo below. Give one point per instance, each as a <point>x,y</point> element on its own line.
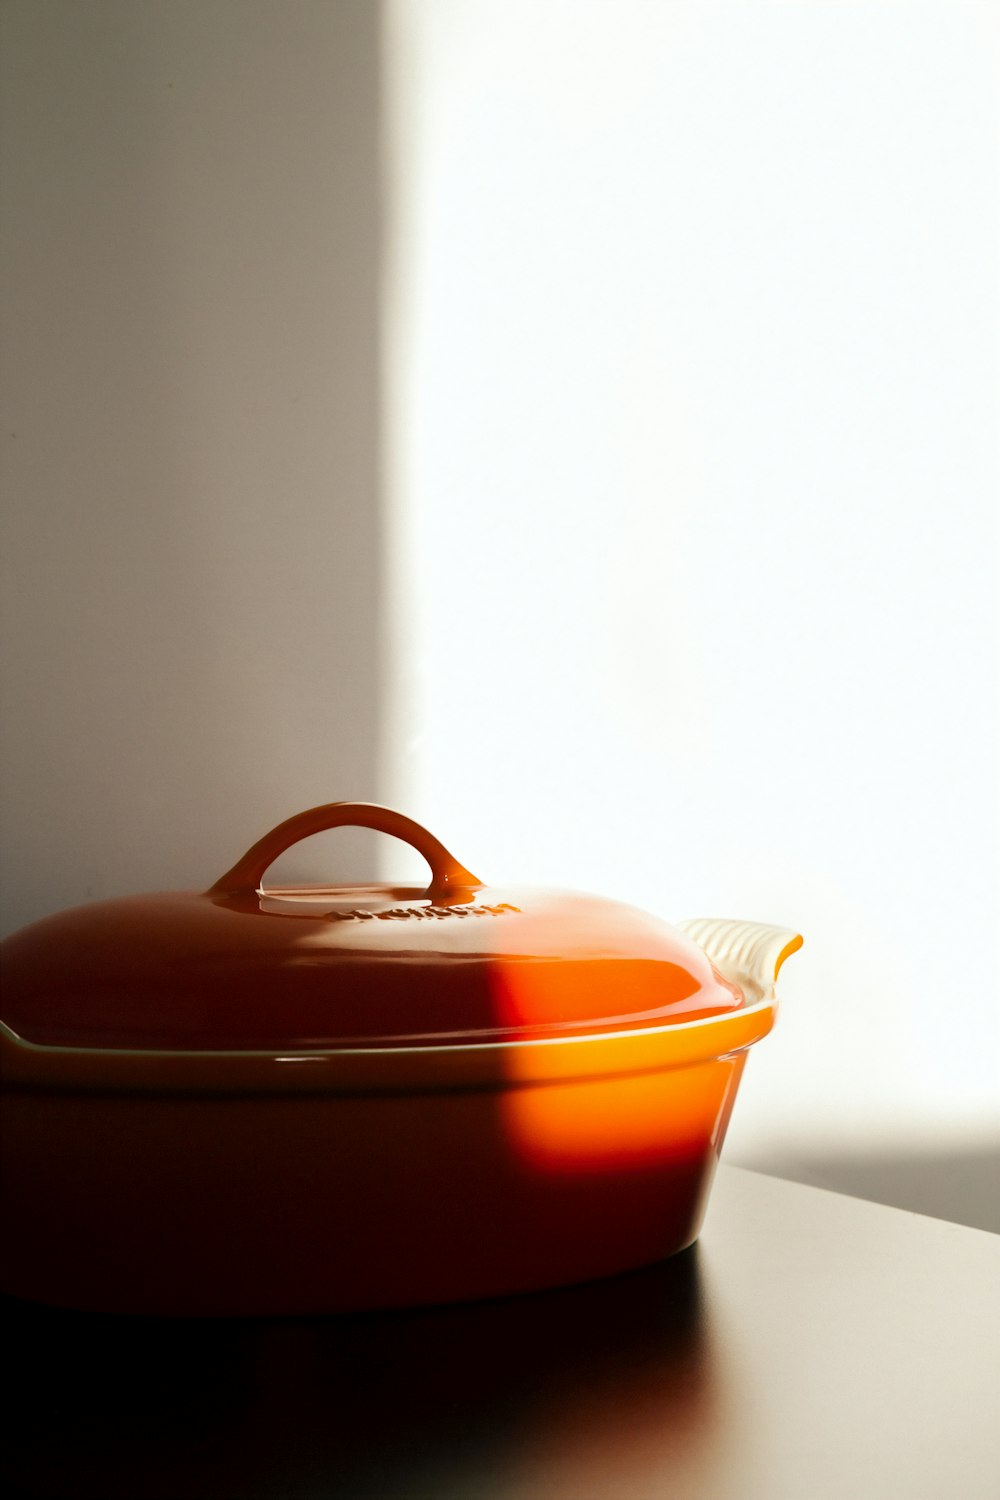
<point>694,357</point>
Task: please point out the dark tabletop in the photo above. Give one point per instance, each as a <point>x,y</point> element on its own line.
<point>810,1346</point>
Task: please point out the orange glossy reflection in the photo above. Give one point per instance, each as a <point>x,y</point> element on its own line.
<point>638,1119</point>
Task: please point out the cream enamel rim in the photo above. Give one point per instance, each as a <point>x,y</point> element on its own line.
<point>53,1071</point>
<point>459,1048</point>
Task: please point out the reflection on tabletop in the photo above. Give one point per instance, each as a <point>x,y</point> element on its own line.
<point>489,1398</point>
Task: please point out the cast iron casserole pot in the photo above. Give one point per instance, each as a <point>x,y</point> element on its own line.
<point>277,1101</point>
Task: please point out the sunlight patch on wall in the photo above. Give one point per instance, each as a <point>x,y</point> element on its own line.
<point>693,342</point>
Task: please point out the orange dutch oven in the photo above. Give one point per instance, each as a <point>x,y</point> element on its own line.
<point>277,1101</point>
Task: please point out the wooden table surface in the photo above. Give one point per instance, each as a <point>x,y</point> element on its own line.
<point>810,1346</point>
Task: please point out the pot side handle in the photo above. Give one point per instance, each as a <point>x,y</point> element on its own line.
<point>749,954</point>
<point>247,874</point>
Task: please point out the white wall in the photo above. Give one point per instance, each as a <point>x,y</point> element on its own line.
<point>190,434</point>
<point>688,570</point>
<point>696,339</point>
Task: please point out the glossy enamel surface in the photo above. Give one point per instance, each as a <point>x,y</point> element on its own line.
<point>349,967</point>
<point>250,1101</point>
<point>243,967</point>
<point>278,1204</point>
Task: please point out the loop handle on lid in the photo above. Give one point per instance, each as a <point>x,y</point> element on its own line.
<point>247,874</point>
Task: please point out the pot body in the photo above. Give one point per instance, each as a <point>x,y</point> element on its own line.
<point>253,1102</point>
<point>202,1201</point>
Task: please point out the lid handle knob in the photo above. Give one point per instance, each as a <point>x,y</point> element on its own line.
<point>247,874</point>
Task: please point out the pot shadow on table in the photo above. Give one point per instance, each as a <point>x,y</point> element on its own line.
<point>443,1402</point>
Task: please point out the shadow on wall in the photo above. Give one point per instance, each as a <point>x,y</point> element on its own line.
<point>192,554</point>
<point>961,1185</point>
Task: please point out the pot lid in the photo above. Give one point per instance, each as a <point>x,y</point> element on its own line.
<point>244,967</point>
